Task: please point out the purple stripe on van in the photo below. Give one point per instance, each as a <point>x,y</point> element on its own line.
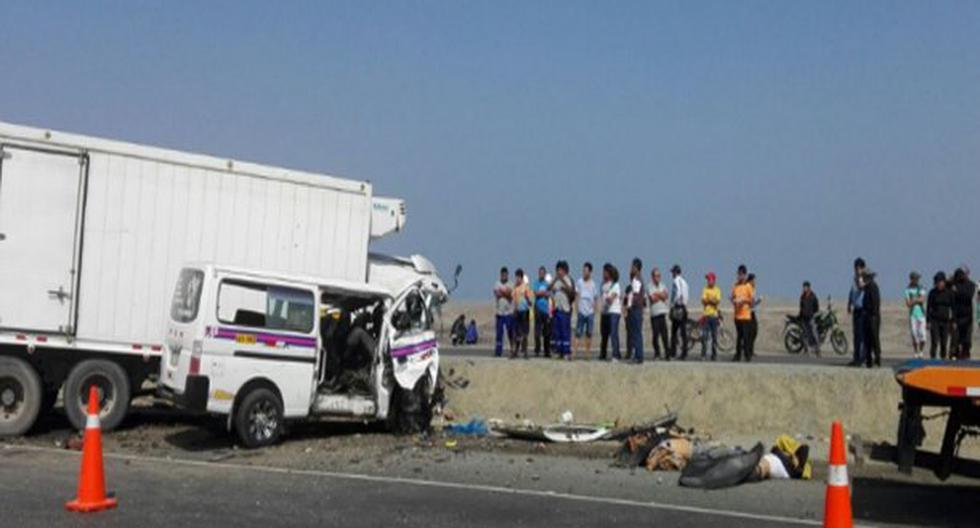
<point>265,338</point>
<point>413,349</point>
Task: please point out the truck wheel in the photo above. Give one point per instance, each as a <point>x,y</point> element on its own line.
<point>20,396</point>
<point>411,410</point>
<point>258,418</point>
<point>114,393</point>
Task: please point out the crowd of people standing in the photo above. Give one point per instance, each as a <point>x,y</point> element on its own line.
<point>549,301</point>
<point>560,314</point>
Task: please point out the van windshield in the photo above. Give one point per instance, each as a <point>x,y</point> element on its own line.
<point>187,295</point>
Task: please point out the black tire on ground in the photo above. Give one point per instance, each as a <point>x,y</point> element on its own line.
<point>113,387</point>
<point>258,418</point>
<point>838,340</point>
<point>793,340</point>
<point>20,396</point>
<point>411,410</point>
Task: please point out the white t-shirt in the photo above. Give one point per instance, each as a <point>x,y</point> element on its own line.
<point>679,292</point>
<point>586,294</point>
<point>612,301</point>
<point>776,468</point>
<point>660,307</point>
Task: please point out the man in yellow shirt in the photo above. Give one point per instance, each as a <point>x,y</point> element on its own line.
<point>710,301</point>
<point>743,296</point>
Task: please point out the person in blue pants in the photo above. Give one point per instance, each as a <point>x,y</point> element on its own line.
<point>503,295</point>
<point>563,294</point>
<point>855,306</point>
<point>635,301</point>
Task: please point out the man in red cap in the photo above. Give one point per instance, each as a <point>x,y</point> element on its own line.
<point>710,301</point>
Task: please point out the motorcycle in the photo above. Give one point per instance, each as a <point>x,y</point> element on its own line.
<point>794,333</point>
<point>695,335</point>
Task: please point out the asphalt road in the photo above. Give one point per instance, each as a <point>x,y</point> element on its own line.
<point>34,485</point>
<point>829,359</point>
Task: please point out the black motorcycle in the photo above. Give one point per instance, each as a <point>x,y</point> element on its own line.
<point>794,334</point>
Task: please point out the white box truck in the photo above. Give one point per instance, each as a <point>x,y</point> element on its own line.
<point>93,234</point>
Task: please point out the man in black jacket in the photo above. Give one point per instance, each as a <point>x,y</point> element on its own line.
<point>939,314</point>
<point>809,307</point>
<point>963,291</point>
<point>872,319</point>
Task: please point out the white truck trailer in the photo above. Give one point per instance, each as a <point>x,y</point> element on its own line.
<point>93,234</point>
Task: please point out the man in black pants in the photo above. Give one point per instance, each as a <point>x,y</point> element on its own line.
<point>872,319</point>
<point>542,314</point>
<point>964,290</point>
<point>855,307</point>
<point>678,312</point>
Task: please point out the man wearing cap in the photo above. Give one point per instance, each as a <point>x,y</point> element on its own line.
<point>743,300</point>
<point>915,301</point>
<point>872,319</point>
<point>855,307</point>
<point>678,313</point>
<point>710,301</point>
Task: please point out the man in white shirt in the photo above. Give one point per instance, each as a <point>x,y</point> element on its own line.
<point>503,297</point>
<point>635,300</point>
<point>585,323</point>
<point>658,297</point>
<point>678,313</point>
<point>612,307</point>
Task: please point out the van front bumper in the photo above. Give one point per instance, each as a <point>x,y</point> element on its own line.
<point>195,395</point>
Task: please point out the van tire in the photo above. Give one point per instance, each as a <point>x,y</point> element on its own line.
<point>411,410</point>
<point>252,416</point>
<point>114,391</point>
<point>20,396</point>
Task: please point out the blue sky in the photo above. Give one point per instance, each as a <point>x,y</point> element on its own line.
<point>790,136</point>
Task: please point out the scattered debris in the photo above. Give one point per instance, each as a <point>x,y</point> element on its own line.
<point>475,427</point>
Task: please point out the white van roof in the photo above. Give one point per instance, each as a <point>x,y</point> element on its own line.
<point>345,286</point>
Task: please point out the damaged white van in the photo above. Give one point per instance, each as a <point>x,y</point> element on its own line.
<point>264,348</point>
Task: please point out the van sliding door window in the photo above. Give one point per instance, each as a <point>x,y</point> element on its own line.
<point>263,306</point>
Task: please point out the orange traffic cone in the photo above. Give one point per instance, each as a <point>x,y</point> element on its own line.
<point>91,482</point>
<point>837,504</point>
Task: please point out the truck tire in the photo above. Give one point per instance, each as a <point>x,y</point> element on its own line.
<point>114,393</point>
<point>411,410</point>
<point>20,396</point>
<point>259,418</point>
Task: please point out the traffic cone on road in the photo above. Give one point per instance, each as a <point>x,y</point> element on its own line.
<point>837,504</point>
<point>91,482</point>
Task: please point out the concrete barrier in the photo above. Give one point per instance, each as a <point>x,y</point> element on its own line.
<point>724,399</point>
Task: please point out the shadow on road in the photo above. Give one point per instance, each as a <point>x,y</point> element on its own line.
<point>914,504</point>
<point>885,452</point>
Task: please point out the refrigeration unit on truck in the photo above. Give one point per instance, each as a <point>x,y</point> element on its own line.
<point>93,234</point>
<point>260,348</point>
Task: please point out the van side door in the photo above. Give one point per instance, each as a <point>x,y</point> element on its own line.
<point>265,330</point>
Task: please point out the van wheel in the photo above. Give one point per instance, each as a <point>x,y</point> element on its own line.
<point>411,410</point>
<point>112,385</point>
<point>20,396</point>
<point>258,418</point>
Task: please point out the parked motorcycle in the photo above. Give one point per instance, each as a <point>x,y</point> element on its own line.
<point>827,327</point>
<point>695,335</point>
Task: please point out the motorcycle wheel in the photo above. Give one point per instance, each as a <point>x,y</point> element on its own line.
<point>839,341</point>
<point>793,340</point>
<point>726,341</point>
<point>693,334</point>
